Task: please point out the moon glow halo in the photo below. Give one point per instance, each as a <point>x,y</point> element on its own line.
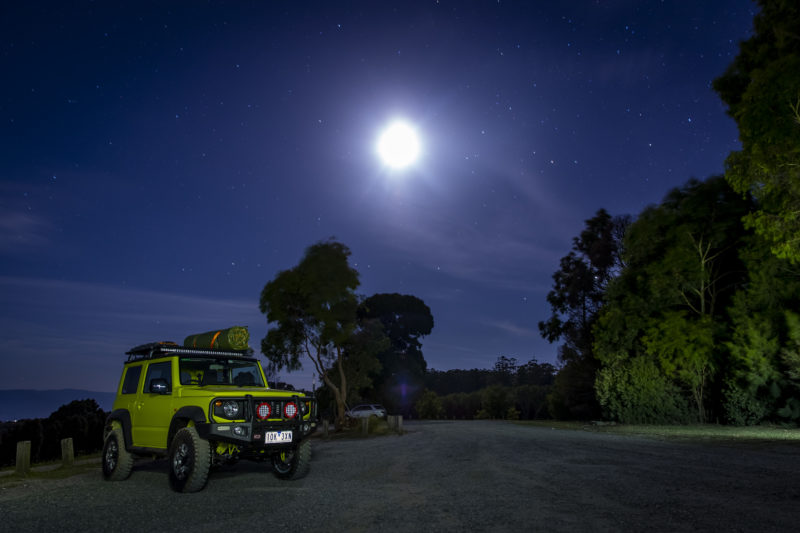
<point>398,146</point>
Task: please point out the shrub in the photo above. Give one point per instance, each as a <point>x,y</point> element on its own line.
<point>495,401</point>
<point>743,407</point>
<point>636,392</point>
<point>429,405</point>
<point>531,400</point>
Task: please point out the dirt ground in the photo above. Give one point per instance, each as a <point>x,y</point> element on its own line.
<point>446,476</point>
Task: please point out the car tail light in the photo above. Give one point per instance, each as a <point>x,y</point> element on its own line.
<point>263,410</point>
<point>290,410</point>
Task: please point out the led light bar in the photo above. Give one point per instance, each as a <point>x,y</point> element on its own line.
<point>156,349</point>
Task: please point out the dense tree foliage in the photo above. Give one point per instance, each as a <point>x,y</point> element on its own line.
<point>700,323</point>
<point>577,296</point>
<point>505,372</point>
<point>361,361</point>
<point>760,382</point>
<point>313,307</point>
<point>405,320</point>
<point>363,350</point>
<point>508,390</point>
<point>762,90</point>
<point>429,405</point>
<point>694,326</point>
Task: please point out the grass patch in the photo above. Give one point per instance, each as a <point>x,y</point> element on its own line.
<point>705,432</point>
<point>59,472</point>
<point>53,469</point>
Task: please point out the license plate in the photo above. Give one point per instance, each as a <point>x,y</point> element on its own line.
<point>274,437</point>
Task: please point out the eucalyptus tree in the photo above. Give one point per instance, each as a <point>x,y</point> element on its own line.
<point>313,309</point>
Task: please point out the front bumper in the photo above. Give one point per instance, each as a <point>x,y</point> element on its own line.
<point>253,434</point>
<point>251,431</point>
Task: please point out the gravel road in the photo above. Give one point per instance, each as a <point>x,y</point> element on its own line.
<point>445,476</point>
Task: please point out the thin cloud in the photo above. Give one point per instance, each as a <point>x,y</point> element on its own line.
<point>510,327</point>
<point>42,317</point>
<point>484,254</point>
<point>21,231</point>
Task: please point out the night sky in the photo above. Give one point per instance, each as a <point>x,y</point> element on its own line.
<point>162,161</point>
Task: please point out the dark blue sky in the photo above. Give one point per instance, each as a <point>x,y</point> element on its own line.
<point>161,161</point>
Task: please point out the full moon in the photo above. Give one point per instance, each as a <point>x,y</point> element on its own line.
<point>398,146</point>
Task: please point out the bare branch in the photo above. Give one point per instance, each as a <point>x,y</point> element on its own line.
<point>795,107</point>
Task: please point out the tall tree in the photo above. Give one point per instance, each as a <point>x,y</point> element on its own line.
<point>669,305</point>
<point>313,307</point>
<point>762,90</point>
<point>535,373</point>
<point>758,385</point>
<point>577,295</point>
<point>361,363</point>
<point>579,285</point>
<point>505,371</point>
<point>406,319</point>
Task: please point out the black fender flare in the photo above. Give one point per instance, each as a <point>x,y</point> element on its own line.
<point>124,418</point>
<point>189,412</point>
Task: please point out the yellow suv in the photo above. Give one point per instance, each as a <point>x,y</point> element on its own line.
<point>202,407</point>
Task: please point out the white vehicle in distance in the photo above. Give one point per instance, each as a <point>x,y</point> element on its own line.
<point>366,411</point>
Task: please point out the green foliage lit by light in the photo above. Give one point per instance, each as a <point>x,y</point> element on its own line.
<point>762,90</point>
<point>638,392</point>
<point>703,312</point>
<point>685,349</point>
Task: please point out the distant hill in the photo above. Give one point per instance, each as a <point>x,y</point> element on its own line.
<point>24,403</point>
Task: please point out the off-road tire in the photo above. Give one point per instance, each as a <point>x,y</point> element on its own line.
<point>189,461</point>
<point>293,464</point>
<point>117,461</point>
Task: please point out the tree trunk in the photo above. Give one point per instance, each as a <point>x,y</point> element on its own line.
<point>340,394</point>
<point>698,390</point>
<point>342,397</point>
<point>337,394</point>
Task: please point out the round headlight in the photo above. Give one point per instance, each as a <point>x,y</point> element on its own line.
<point>290,411</point>
<point>231,409</point>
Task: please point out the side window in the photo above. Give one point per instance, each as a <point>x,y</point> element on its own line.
<point>132,374</point>
<point>158,371</point>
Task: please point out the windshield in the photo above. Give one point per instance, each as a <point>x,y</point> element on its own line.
<point>206,371</point>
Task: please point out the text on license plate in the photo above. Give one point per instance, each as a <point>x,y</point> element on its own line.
<point>272,437</point>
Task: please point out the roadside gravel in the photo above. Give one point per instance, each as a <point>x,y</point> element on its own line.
<point>445,476</point>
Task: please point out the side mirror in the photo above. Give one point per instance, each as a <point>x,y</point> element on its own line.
<point>159,386</point>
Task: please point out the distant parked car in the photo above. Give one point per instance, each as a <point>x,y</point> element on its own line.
<point>367,410</point>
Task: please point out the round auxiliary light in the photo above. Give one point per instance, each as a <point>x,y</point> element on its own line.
<point>290,410</point>
<point>230,408</point>
<point>263,411</point>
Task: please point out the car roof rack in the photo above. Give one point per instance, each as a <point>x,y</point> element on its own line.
<point>158,349</point>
